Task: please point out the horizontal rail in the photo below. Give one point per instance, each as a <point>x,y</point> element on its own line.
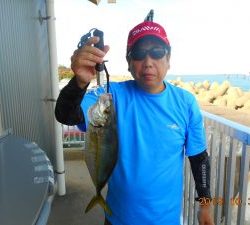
<point>233,129</point>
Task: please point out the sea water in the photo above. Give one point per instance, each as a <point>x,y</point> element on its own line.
<point>237,80</point>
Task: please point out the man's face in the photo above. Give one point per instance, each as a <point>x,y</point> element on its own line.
<point>148,64</point>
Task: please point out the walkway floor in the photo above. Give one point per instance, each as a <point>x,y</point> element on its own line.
<point>69,209</point>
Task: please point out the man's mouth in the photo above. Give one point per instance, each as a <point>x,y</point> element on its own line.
<point>148,76</point>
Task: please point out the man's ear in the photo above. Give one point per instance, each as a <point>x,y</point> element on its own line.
<point>168,60</point>
<point>168,64</point>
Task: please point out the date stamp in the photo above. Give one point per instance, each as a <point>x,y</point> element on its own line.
<point>236,201</point>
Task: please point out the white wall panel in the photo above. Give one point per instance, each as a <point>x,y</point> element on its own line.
<point>24,72</point>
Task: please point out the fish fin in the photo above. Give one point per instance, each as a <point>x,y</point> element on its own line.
<point>98,199</point>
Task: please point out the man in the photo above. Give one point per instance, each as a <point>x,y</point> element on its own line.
<point>158,124</point>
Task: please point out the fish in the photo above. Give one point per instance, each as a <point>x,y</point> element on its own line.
<point>101,145</point>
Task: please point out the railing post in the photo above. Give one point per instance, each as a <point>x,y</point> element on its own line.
<point>230,180</point>
<point>243,184</point>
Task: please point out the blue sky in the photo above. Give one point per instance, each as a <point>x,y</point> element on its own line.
<point>207,37</point>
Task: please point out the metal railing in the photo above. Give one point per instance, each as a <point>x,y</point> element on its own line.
<point>228,147</point>
<point>73,137</point>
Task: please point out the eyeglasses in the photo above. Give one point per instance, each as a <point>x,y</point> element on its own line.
<point>154,53</point>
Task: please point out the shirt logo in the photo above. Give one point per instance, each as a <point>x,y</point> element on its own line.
<point>173,126</point>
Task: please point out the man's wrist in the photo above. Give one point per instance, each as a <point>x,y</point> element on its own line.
<point>81,84</point>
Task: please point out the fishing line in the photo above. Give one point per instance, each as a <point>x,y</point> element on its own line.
<point>107,77</point>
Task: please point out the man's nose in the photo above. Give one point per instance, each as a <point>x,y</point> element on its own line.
<point>148,61</point>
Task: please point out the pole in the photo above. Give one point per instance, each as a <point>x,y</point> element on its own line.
<point>59,158</point>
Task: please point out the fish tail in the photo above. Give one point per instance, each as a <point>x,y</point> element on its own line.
<point>98,199</point>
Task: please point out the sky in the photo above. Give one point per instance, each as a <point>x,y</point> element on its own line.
<point>206,36</point>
